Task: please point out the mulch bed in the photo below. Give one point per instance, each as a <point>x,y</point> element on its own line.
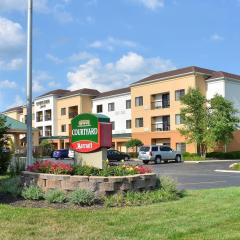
<point>21,202</point>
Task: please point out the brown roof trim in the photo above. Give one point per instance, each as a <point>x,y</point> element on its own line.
<point>19,109</point>
<point>114,92</point>
<point>83,91</point>
<point>172,73</point>
<point>58,92</point>
<point>221,74</point>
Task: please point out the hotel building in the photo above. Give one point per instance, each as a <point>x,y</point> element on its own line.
<point>148,109</point>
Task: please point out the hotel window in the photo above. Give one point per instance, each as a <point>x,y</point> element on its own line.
<point>178,119</point>
<point>99,108</point>
<point>128,104</point>
<point>63,128</point>
<point>138,122</point>
<point>138,101</point>
<point>128,124</point>
<point>111,107</point>
<point>113,125</point>
<point>179,93</point>
<point>181,147</point>
<point>63,111</point>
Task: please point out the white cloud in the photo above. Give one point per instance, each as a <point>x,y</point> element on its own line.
<point>216,37</point>
<point>151,4</point>
<point>8,84</point>
<point>40,81</point>
<point>129,68</point>
<point>130,62</point>
<point>53,58</point>
<point>21,5</point>
<point>80,56</point>
<point>111,43</point>
<point>11,36</point>
<point>14,64</point>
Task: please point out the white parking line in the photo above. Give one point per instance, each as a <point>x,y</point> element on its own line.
<point>226,171</point>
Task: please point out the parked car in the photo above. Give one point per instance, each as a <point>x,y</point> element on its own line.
<point>71,153</point>
<point>61,154</point>
<point>117,156</point>
<point>158,154</point>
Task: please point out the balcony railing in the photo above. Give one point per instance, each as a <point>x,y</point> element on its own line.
<point>72,114</point>
<point>160,127</point>
<point>160,104</point>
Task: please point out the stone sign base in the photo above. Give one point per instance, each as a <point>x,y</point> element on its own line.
<point>93,159</point>
<point>101,186</point>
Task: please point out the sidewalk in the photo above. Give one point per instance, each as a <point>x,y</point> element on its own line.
<point>212,161</point>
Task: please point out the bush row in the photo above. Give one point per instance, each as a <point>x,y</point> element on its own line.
<point>166,190</point>
<point>222,155</point>
<point>63,168</point>
<point>192,157</point>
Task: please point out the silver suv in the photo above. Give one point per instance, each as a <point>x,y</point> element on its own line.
<point>158,154</point>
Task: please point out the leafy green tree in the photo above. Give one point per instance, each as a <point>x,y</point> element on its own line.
<point>5,155</point>
<point>223,120</point>
<point>134,144</point>
<point>195,117</point>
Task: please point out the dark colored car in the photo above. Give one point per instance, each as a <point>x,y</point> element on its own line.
<point>117,156</point>
<point>60,154</point>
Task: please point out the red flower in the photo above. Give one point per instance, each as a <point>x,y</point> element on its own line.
<point>142,169</point>
<point>48,166</point>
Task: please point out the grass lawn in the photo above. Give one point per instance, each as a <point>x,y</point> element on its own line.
<point>206,214</point>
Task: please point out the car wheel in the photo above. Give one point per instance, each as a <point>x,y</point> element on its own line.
<point>126,158</point>
<point>56,158</point>
<point>178,159</point>
<point>145,162</point>
<point>165,161</point>
<point>157,160</point>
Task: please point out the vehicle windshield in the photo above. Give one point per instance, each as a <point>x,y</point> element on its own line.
<point>144,149</point>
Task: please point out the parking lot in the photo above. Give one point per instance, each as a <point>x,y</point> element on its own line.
<point>198,175</point>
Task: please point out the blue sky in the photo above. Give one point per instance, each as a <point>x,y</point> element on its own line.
<point>107,44</point>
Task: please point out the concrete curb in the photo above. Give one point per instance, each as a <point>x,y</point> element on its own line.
<point>227,171</point>
<point>212,161</point>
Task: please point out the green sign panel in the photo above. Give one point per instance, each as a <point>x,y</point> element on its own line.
<point>86,132</point>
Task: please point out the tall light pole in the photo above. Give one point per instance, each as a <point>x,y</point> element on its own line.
<point>29,84</point>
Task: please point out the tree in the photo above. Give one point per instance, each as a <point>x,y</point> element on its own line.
<point>5,155</point>
<point>134,143</point>
<point>195,117</point>
<point>223,120</point>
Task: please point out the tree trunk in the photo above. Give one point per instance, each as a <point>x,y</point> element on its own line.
<point>225,147</point>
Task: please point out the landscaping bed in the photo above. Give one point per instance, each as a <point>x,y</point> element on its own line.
<point>13,193</point>
<point>110,180</point>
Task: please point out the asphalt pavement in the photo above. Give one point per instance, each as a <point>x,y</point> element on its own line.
<point>198,175</point>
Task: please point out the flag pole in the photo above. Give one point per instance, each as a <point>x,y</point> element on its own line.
<point>29,84</point>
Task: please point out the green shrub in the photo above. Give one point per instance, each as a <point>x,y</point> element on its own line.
<point>17,165</point>
<point>166,191</point>
<point>55,196</point>
<point>235,166</point>
<point>222,155</point>
<point>11,186</point>
<point>82,197</point>
<point>85,170</point>
<point>5,159</point>
<point>192,157</point>
<point>32,193</point>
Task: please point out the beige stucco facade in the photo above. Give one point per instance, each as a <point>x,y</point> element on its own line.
<point>147,90</point>
<point>79,104</point>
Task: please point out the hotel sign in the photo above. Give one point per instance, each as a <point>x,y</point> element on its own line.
<point>89,132</point>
